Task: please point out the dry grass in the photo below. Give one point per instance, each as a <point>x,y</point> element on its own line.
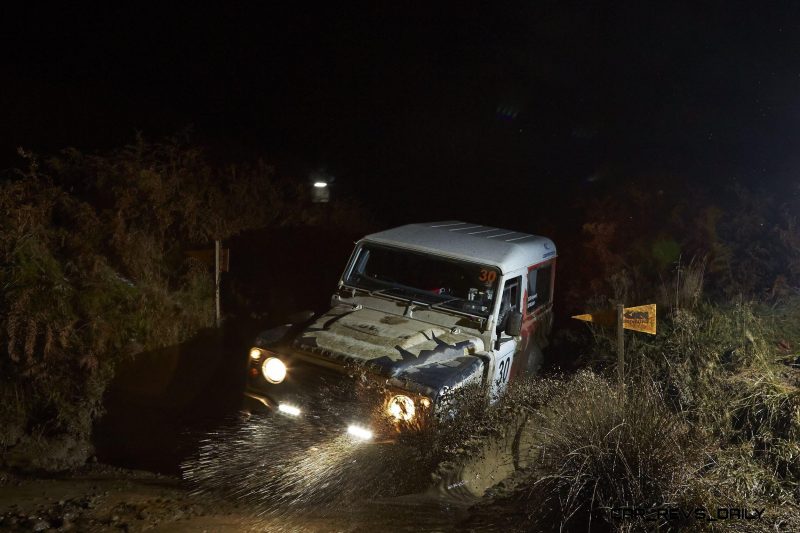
<point>730,372</point>
<point>600,449</point>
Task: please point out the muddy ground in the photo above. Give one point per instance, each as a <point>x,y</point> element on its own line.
<point>103,498</point>
<point>162,405</point>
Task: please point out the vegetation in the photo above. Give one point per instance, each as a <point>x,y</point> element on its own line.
<point>93,269</point>
<point>710,413</point>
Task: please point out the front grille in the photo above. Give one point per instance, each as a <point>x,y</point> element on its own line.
<point>320,391</point>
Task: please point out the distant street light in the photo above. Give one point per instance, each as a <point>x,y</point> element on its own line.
<point>320,186</point>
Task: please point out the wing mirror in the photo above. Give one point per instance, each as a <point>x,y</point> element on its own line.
<point>514,323</point>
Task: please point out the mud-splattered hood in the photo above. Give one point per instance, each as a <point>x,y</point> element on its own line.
<point>396,346</point>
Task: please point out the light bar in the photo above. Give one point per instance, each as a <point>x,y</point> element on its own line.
<point>320,184</point>
<point>359,432</point>
<point>289,409</point>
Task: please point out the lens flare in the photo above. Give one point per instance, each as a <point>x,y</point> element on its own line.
<point>359,432</point>
<point>289,409</point>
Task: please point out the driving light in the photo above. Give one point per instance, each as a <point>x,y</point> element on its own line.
<point>255,354</point>
<point>289,409</point>
<point>401,407</point>
<point>274,370</point>
<point>359,432</point>
<point>320,184</point>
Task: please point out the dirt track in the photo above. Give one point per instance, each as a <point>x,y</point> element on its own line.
<point>109,499</point>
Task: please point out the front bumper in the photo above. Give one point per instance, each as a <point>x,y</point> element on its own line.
<point>255,403</point>
<point>320,393</point>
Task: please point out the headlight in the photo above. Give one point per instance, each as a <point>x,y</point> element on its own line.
<point>255,354</point>
<point>401,407</point>
<point>274,370</point>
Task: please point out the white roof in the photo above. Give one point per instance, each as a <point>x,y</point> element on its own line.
<point>506,249</point>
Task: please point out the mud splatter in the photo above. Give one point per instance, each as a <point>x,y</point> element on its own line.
<point>282,466</point>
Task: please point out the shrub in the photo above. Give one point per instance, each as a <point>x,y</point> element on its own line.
<point>93,269</point>
<point>730,372</point>
<point>600,448</point>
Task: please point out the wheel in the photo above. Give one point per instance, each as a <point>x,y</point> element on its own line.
<point>535,360</point>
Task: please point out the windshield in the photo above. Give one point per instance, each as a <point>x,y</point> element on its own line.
<point>429,280</point>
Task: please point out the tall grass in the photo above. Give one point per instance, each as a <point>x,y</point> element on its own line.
<point>728,376</point>
<point>600,448</point>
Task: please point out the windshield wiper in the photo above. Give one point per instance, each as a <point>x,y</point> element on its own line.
<point>380,291</point>
<point>411,297</point>
<point>437,304</point>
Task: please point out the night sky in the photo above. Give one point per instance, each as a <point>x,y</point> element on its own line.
<point>415,109</point>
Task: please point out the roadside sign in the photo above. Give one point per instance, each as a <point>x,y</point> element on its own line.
<point>641,318</point>
<point>607,317</point>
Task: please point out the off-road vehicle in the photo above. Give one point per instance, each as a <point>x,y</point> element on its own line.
<point>420,310</point>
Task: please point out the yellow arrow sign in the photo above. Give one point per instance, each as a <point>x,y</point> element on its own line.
<point>606,318</point>
<point>641,318</point>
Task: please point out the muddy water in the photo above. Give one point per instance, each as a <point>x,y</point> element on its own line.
<point>498,460</point>
<point>444,506</point>
<point>107,498</point>
<point>320,482</point>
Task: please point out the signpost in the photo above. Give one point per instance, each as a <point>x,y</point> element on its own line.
<point>216,282</point>
<point>641,318</point>
<point>220,258</point>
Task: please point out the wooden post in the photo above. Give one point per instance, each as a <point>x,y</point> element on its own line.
<point>620,347</point>
<point>216,280</point>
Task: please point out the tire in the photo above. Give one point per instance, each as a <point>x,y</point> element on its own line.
<point>535,360</point>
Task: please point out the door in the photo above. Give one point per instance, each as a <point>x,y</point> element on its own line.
<point>506,348</point>
<point>537,316</point>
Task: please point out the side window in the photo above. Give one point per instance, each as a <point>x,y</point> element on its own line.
<point>511,294</point>
<point>510,301</point>
<point>539,286</point>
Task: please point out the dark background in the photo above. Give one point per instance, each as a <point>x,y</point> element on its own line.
<point>502,114</point>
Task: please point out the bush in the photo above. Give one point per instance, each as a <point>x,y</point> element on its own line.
<point>600,449</point>
<point>730,372</point>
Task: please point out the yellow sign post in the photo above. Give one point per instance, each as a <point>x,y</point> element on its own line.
<point>641,318</point>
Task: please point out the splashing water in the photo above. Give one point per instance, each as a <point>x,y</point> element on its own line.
<point>281,466</point>
<point>295,468</point>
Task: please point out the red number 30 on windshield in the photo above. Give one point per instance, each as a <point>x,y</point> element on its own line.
<point>487,275</point>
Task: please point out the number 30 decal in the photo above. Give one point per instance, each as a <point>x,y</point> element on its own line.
<point>487,275</point>
<point>502,370</point>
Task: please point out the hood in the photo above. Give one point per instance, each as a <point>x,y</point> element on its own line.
<point>395,346</point>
